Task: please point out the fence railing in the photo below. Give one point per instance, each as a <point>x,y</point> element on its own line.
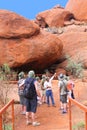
<point>11,103</point>
<point>82,107</point>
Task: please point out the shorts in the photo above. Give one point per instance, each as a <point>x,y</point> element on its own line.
<point>63,98</point>
<point>43,92</point>
<point>22,100</point>
<point>31,105</point>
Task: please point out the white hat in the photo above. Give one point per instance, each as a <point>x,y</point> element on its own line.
<point>31,73</point>
<point>61,77</point>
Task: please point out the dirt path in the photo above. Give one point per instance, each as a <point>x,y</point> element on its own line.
<point>51,118</point>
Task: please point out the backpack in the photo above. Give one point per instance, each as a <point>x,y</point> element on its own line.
<point>63,88</point>
<point>29,89</point>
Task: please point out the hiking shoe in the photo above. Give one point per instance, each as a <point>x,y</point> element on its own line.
<point>35,123</point>
<point>61,108</point>
<point>28,123</point>
<point>23,113</point>
<point>54,105</point>
<point>64,112</point>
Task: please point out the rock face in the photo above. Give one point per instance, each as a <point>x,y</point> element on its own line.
<point>75,45</point>
<point>54,17</point>
<point>22,44</point>
<point>16,26</point>
<point>78,8</point>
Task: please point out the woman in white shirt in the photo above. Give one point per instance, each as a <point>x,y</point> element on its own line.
<point>49,93</point>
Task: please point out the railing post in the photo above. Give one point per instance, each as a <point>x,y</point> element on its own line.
<point>12,116</point>
<point>70,118</point>
<point>86,120</point>
<point>0,122</point>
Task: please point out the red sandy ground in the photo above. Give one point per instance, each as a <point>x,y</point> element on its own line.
<point>51,118</point>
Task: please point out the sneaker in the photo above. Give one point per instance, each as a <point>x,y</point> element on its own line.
<point>64,112</point>
<point>28,123</point>
<point>35,123</point>
<point>23,113</point>
<point>54,105</point>
<point>61,108</point>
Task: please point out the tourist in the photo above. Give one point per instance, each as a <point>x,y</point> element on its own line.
<point>31,104</point>
<point>39,89</point>
<point>49,93</point>
<point>21,82</point>
<point>62,85</point>
<point>43,97</point>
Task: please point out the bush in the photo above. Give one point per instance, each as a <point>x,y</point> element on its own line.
<point>79,125</point>
<point>55,30</point>
<point>7,127</point>
<point>5,76</point>
<point>74,67</point>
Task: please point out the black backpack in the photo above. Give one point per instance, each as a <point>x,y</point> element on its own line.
<point>29,89</point>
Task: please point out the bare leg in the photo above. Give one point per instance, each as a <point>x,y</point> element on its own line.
<point>27,118</point>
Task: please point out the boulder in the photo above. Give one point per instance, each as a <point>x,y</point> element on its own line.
<point>37,52</point>
<point>54,17</point>
<point>74,45</point>
<point>13,25</point>
<point>23,45</point>
<point>78,8</point>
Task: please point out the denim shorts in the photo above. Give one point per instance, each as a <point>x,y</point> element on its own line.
<point>31,105</point>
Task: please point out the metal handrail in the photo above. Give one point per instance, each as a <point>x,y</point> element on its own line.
<point>11,103</point>
<point>82,107</point>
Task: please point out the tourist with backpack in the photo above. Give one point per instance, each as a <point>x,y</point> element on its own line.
<point>31,92</point>
<point>62,85</point>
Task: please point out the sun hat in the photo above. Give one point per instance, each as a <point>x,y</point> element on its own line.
<point>21,75</point>
<point>37,78</point>
<point>61,77</point>
<point>31,74</point>
<point>43,76</point>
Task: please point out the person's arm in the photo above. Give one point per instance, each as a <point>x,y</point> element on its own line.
<point>52,77</point>
<point>36,87</point>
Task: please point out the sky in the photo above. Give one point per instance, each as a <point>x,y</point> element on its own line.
<point>30,8</point>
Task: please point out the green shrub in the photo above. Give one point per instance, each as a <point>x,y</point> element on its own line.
<point>7,127</point>
<point>55,30</point>
<point>79,125</point>
<point>5,77</point>
<point>4,72</point>
<point>74,67</point>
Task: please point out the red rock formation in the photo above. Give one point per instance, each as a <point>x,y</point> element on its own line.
<point>16,26</point>
<point>23,44</point>
<point>78,8</point>
<point>53,17</point>
<point>38,52</point>
<point>75,45</point>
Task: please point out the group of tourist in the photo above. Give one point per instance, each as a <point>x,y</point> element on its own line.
<point>42,88</point>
